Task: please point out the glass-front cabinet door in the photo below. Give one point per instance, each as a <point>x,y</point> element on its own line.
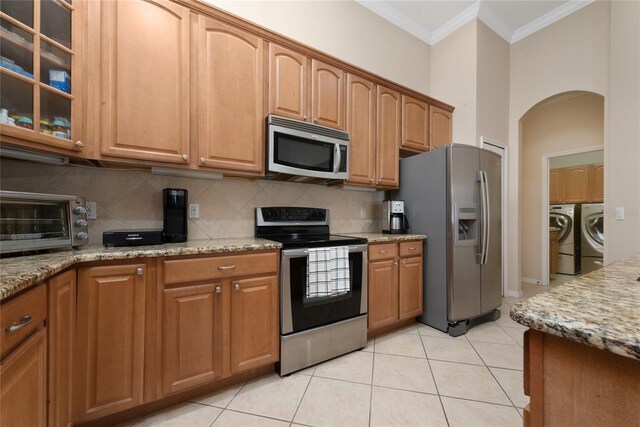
<point>39,70</point>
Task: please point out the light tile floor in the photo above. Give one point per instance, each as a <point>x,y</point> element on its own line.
<point>417,376</point>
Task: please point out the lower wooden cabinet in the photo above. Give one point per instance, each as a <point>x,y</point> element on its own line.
<point>23,383</point>
<point>220,324</point>
<point>110,339</point>
<point>395,283</point>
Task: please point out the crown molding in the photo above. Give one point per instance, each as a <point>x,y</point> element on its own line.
<point>548,19</point>
<point>494,21</point>
<point>398,18</point>
<point>458,21</point>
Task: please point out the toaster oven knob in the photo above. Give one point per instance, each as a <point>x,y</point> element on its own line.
<point>80,222</point>
<point>79,210</point>
<point>82,235</point>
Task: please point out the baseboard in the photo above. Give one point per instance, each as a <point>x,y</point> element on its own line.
<point>530,280</point>
<point>514,294</point>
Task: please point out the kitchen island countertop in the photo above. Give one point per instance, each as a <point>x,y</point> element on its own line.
<point>21,272</point>
<point>600,309</point>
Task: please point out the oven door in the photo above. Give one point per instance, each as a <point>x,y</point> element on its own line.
<point>299,313</point>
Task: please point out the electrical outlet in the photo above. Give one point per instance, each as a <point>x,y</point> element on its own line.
<point>363,213</point>
<point>194,210</point>
<point>619,213</point>
<point>92,210</point>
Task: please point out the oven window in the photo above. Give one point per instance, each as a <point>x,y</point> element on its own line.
<point>303,153</point>
<point>308,313</point>
<point>20,220</point>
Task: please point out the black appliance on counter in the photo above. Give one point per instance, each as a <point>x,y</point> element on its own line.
<point>314,329</point>
<point>175,204</point>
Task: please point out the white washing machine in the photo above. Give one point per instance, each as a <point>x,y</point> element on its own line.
<point>592,237</point>
<point>567,219</point>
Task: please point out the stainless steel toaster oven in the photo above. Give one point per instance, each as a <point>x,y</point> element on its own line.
<point>33,221</point>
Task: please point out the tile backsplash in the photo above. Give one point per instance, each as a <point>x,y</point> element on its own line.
<point>132,198</point>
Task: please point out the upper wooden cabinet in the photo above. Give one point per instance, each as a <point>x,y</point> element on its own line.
<point>110,339</point>
<point>361,125</point>
<point>556,186</point>
<point>415,124</point>
<point>305,89</point>
<point>596,183</point>
<point>230,90</point>
<point>439,126</point>
<point>388,127</point>
<point>42,77</point>
<point>576,184</point>
<point>144,97</point>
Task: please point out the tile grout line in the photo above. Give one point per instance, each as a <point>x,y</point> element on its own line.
<point>302,397</point>
<point>435,383</point>
<point>373,368</point>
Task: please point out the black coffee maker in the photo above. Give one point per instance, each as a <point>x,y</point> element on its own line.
<point>175,204</point>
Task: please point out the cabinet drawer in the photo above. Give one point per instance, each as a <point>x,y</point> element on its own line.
<point>196,269</point>
<point>411,248</point>
<point>33,305</point>
<point>383,251</point>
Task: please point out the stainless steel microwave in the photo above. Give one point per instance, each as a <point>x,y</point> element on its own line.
<point>306,150</point>
<point>33,221</point>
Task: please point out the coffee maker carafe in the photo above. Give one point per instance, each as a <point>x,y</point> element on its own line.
<point>175,204</point>
<point>394,220</point>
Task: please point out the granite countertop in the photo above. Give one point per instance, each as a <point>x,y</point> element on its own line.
<point>19,273</point>
<point>600,309</point>
<point>381,237</point>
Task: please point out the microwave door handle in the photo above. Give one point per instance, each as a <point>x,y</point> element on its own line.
<point>336,157</point>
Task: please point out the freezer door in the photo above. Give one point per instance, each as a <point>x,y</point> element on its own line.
<point>464,277</point>
<point>491,270</point>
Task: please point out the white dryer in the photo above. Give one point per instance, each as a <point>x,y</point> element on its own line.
<point>567,219</point>
<point>592,237</point>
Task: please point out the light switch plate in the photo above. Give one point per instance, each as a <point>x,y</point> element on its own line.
<point>619,213</point>
<point>92,210</point>
<point>194,210</point>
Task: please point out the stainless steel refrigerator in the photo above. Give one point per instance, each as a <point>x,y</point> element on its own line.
<point>453,194</point>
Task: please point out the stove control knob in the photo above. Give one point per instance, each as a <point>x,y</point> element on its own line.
<point>81,235</point>
<point>79,210</point>
<point>80,222</point>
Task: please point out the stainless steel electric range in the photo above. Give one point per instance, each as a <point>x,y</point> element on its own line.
<point>314,329</point>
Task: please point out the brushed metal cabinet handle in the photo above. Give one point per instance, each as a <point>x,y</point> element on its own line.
<point>226,267</point>
<point>139,271</point>
<point>19,324</point>
<point>203,160</point>
<point>79,144</point>
<point>383,251</point>
<point>236,287</point>
<point>218,290</point>
<point>185,157</point>
<point>404,262</point>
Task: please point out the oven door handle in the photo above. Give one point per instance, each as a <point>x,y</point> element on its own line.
<point>291,253</point>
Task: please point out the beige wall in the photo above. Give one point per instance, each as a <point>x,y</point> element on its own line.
<point>622,151</point>
<point>132,199</point>
<point>551,127</point>
<point>571,54</point>
<point>454,79</point>
<point>347,31</point>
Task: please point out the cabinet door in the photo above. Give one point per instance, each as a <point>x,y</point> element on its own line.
<point>387,137</point>
<point>439,126</point>
<point>254,323</point>
<point>191,336</point>
<point>288,83</point>
<point>596,183</point>
<point>62,329</point>
<point>23,384</point>
<point>230,98</point>
<point>327,94</point>
<point>576,184</point>
<point>415,124</point>
<point>361,125</point>
<point>410,284</point>
<point>383,293</point>
<point>556,186</point>
<point>145,80</point>
<point>110,339</point>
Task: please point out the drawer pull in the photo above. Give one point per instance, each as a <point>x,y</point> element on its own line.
<point>383,251</point>
<point>19,324</point>
<point>237,287</point>
<point>412,248</point>
<point>226,267</point>
<point>218,289</point>
<point>404,262</point>
<point>139,271</point>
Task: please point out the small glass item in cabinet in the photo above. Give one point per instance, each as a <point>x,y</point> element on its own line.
<point>55,109</point>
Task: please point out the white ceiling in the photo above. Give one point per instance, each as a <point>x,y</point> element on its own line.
<point>433,20</point>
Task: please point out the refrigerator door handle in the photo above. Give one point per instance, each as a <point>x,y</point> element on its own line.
<point>486,213</point>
